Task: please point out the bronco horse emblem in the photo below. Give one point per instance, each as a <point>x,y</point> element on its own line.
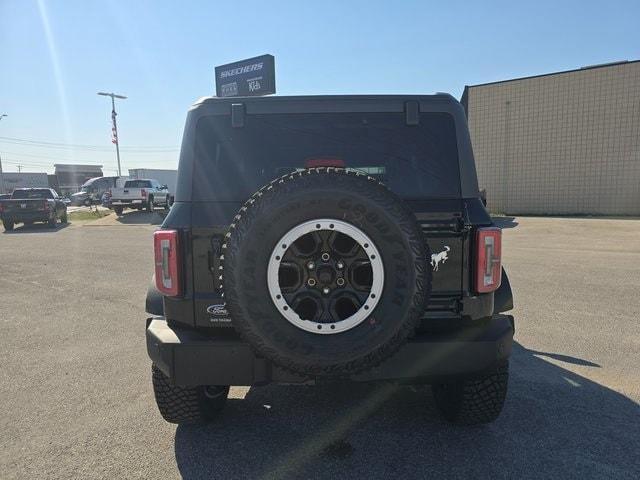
<point>437,258</point>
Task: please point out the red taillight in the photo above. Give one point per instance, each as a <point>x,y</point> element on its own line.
<point>488,259</point>
<point>167,258</point>
<point>45,205</point>
<point>324,162</point>
<point>143,192</point>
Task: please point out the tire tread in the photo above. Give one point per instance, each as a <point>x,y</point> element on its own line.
<point>475,401</point>
<point>182,405</point>
<point>406,221</point>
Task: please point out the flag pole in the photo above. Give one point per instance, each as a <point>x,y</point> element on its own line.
<point>114,128</point>
<point>115,133</point>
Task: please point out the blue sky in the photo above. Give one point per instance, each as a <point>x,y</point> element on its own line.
<point>55,56</point>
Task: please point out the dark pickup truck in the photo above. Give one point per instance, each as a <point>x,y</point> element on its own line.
<point>29,205</point>
<point>328,238</point>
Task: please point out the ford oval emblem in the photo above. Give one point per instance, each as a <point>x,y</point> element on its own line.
<point>217,310</point>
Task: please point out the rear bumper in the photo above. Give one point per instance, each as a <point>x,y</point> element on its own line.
<point>190,358</point>
<point>18,217</point>
<point>125,203</point>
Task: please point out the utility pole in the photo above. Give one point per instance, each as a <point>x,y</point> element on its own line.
<point>1,174</point>
<point>114,138</point>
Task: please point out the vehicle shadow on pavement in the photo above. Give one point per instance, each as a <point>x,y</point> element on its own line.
<point>555,424</point>
<point>504,222</point>
<point>565,358</point>
<point>36,228</point>
<point>130,217</point>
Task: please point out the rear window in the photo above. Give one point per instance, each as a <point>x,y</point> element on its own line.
<point>414,161</point>
<point>137,184</point>
<point>31,194</point>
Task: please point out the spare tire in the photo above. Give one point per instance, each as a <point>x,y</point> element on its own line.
<point>325,272</point>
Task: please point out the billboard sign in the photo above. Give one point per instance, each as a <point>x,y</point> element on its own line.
<point>247,78</point>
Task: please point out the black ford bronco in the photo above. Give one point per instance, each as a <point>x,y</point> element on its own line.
<point>328,238</point>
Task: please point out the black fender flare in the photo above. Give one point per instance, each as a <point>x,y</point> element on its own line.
<point>503,297</point>
<point>153,303</point>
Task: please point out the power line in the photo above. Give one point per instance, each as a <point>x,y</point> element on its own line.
<point>43,165</point>
<point>30,163</point>
<point>57,145</point>
<point>93,150</point>
<point>46,157</point>
<point>83,145</point>
<point>62,159</point>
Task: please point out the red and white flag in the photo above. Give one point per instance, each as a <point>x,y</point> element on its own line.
<point>114,132</point>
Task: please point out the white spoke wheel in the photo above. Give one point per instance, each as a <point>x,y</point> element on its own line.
<point>325,276</point>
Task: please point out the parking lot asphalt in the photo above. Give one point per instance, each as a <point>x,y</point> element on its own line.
<point>77,399</point>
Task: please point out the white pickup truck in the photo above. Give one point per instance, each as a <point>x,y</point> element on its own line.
<point>140,194</point>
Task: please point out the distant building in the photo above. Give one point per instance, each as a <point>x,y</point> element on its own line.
<point>53,182</point>
<point>12,180</point>
<point>70,177</point>
<point>560,143</point>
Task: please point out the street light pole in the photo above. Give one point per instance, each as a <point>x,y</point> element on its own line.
<point>1,174</point>
<point>115,124</point>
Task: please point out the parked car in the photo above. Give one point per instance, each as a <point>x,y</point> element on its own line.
<point>371,259</point>
<point>29,205</point>
<point>92,190</point>
<point>4,196</point>
<point>140,194</point>
<point>81,198</point>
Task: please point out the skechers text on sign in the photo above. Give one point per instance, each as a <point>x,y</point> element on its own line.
<point>246,78</point>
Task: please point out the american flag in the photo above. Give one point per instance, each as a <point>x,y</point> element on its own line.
<point>114,133</point>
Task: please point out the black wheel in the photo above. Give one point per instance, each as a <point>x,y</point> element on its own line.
<point>150,205</point>
<point>87,202</point>
<point>187,405</point>
<point>344,265</point>
<point>118,210</point>
<point>51,223</point>
<point>64,218</point>
<point>473,401</point>
<point>8,225</point>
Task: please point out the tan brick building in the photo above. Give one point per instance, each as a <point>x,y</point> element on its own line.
<point>562,143</point>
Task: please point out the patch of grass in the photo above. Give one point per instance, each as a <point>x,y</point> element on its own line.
<point>87,216</point>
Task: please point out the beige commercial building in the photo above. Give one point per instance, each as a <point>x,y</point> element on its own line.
<point>562,143</point>
<point>69,177</point>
